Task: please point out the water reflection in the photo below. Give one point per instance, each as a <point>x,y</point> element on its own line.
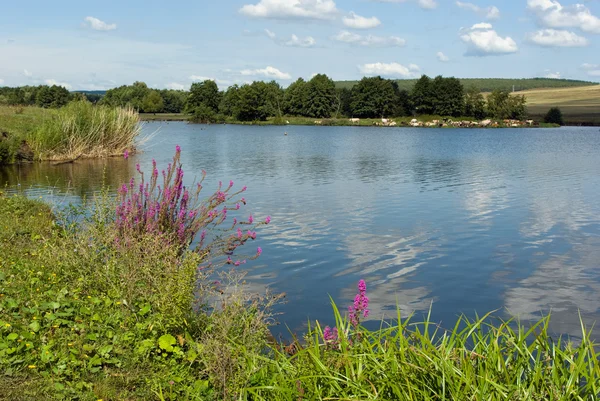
<point>471,220</point>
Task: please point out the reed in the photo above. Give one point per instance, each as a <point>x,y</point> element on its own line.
<point>81,129</point>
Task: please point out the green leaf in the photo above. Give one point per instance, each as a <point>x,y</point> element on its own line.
<point>34,326</point>
<point>145,310</point>
<point>12,336</point>
<point>166,342</point>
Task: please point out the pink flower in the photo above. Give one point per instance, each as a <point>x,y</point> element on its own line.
<point>245,187</point>
<point>268,220</point>
<point>126,154</point>
<point>258,251</point>
<point>230,184</point>
<point>178,149</point>
<point>250,219</point>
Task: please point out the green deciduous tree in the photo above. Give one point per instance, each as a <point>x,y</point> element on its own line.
<point>503,105</point>
<point>294,99</point>
<point>206,93</point>
<point>374,97</point>
<point>554,116</point>
<point>474,103</point>
<point>422,96</point>
<point>320,96</point>
<point>447,96</point>
<point>152,102</point>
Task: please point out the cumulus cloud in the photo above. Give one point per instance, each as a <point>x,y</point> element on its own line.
<point>369,40</point>
<point>284,9</point>
<point>268,72</point>
<point>356,21</point>
<point>552,75</point>
<point>389,69</point>
<point>294,41</point>
<point>552,14</point>
<point>27,73</point>
<point>593,70</point>
<point>52,82</point>
<point>490,12</point>
<point>557,38</point>
<point>175,86</point>
<point>483,40</point>
<point>427,4</point>
<point>442,57</point>
<point>98,25</point>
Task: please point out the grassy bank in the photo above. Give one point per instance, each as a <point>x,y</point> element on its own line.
<point>106,307</point>
<point>74,131</point>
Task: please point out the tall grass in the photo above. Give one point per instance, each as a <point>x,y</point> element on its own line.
<point>81,129</point>
<point>481,359</point>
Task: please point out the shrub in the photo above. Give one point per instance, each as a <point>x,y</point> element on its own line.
<point>554,116</point>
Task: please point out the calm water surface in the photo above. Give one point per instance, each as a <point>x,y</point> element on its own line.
<point>469,220</point>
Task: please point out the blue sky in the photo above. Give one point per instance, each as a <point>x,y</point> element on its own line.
<point>99,45</point>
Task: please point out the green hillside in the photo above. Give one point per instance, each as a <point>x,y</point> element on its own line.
<point>491,84</point>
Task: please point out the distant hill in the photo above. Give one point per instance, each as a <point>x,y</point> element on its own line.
<point>491,84</point>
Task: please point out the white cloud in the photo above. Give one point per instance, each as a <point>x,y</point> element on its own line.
<point>98,25</point>
<point>369,40</point>
<point>389,69</point>
<point>357,22</point>
<point>201,78</point>
<point>442,57</point>
<point>552,75</point>
<point>427,4</point>
<point>27,73</point>
<point>270,34</point>
<point>490,12</point>
<point>55,82</point>
<point>593,70</point>
<point>483,40</point>
<point>557,38</point>
<point>268,72</point>
<point>175,86</point>
<point>283,9</point>
<point>294,41</point>
<point>552,14</point>
<point>1,81</point>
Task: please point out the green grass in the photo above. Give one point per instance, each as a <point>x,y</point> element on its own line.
<point>81,318</point>
<point>491,84</point>
<point>76,130</point>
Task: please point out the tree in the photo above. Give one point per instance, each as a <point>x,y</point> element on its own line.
<point>447,96</point>
<point>206,93</point>
<point>173,100</point>
<point>320,96</point>
<point>502,105</point>
<point>554,116</point>
<point>152,102</point>
<point>474,103</point>
<point>251,103</point>
<point>295,98</point>
<point>43,97</point>
<point>343,102</point>
<point>374,97</point>
<point>230,100</point>
<point>421,96</point>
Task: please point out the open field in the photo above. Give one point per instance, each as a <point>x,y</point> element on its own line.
<point>579,105</point>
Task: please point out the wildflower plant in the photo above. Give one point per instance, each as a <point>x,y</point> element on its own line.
<point>162,205</point>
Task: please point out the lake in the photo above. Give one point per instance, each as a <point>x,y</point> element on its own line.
<point>463,221</point>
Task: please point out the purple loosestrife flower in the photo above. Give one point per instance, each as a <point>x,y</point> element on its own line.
<point>250,219</point>
<point>177,148</point>
<point>126,154</point>
<point>258,251</point>
<point>330,335</point>
<point>360,305</point>
<point>268,220</point>
<point>244,188</point>
<point>230,184</point>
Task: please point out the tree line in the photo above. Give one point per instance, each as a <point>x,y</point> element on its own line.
<point>371,97</point>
